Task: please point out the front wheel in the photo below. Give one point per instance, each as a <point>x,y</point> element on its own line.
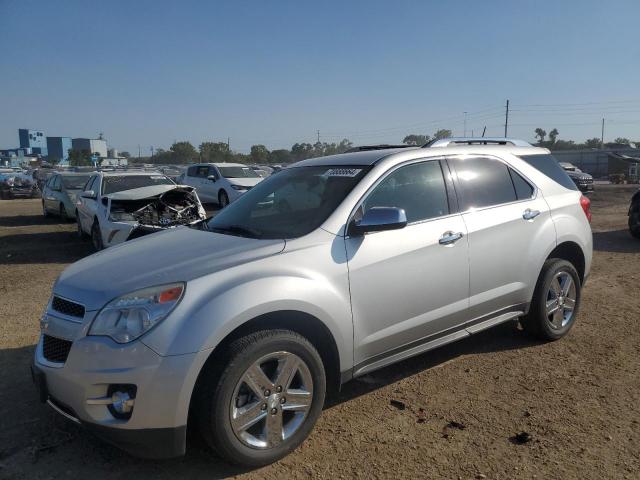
<point>264,402</point>
<point>223,199</point>
<point>634,220</point>
<point>555,301</point>
<point>96,236</point>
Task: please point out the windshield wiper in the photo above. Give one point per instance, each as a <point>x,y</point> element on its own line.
<point>237,230</point>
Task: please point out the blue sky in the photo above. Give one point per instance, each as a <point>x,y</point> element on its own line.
<point>151,72</point>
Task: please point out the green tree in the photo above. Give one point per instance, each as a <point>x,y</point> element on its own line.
<point>301,151</point>
<point>80,158</point>
<point>592,143</point>
<point>183,152</point>
<point>553,135</point>
<point>125,154</point>
<point>540,135</point>
<point>214,152</point>
<point>622,141</point>
<point>414,139</point>
<point>279,156</point>
<point>442,133</point>
<point>259,154</point>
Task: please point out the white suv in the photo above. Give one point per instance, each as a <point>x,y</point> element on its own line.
<point>220,183</point>
<point>242,322</point>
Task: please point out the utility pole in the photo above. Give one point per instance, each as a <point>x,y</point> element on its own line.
<point>602,135</point>
<point>151,150</point>
<point>318,131</point>
<point>138,150</point>
<point>506,120</point>
<point>228,144</point>
<point>465,125</point>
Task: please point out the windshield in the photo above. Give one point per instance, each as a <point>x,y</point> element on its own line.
<point>129,182</point>
<point>290,204</point>
<point>237,172</point>
<point>75,182</point>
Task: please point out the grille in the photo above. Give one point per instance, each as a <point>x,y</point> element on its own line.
<point>55,349</point>
<point>68,308</point>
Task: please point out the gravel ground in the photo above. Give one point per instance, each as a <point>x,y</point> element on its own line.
<point>461,407</point>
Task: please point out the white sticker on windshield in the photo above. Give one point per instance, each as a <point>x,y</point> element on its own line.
<point>342,172</point>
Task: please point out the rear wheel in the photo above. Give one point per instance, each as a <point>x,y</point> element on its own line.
<point>555,301</point>
<point>96,236</point>
<point>264,402</point>
<point>634,219</point>
<point>223,199</point>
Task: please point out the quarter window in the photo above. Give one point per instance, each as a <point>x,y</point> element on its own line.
<point>418,188</point>
<point>523,189</point>
<point>483,182</point>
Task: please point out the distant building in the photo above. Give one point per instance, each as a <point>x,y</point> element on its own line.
<point>95,146</point>
<point>58,149</point>
<point>33,140</point>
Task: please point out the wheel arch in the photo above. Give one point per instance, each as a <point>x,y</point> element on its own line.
<point>572,253</point>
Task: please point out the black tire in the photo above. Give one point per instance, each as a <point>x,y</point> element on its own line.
<point>537,322</point>
<point>223,199</point>
<point>96,236</point>
<point>218,382</point>
<point>63,214</point>
<point>634,219</point>
<point>45,212</point>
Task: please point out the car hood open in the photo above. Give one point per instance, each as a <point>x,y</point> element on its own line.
<point>146,192</point>
<point>179,254</point>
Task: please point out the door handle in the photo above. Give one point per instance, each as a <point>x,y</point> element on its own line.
<point>449,238</point>
<point>530,214</point>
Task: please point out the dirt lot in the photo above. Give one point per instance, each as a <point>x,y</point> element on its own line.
<point>579,398</point>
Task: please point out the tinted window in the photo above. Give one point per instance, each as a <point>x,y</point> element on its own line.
<point>74,182</point>
<point>548,165</point>
<point>202,171</point>
<point>191,171</point>
<point>483,182</point>
<point>55,182</point>
<point>238,172</point>
<point>418,188</point>
<point>523,189</point>
<point>90,184</point>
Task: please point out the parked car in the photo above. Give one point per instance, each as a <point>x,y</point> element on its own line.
<point>173,173</point>
<point>583,181</point>
<point>119,206</point>
<point>634,215</point>
<point>17,185</point>
<point>60,194</point>
<point>220,183</point>
<point>260,309</point>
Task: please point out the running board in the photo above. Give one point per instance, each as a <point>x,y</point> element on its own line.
<point>492,322</point>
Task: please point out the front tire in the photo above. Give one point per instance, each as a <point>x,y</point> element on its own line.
<point>264,401</point>
<point>634,220</point>
<point>96,236</point>
<point>223,199</point>
<point>555,301</point>
<point>63,214</point>
<point>45,212</point>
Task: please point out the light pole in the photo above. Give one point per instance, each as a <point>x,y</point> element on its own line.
<point>465,124</point>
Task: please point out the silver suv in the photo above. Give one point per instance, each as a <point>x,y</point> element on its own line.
<point>323,272</point>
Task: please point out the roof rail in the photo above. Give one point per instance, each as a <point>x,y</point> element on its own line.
<point>384,146</point>
<point>459,141</point>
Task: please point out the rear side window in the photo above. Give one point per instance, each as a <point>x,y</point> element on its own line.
<point>483,182</point>
<point>548,165</point>
<point>202,171</point>
<point>523,189</point>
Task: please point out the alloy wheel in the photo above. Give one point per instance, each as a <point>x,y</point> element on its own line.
<point>271,400</point>
<point>561,300</point>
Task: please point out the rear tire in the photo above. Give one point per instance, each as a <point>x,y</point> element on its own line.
<point>555,303</point>
<point>223,199</point>
<point>634,220</point>
<point>96,236</point>
<point>261,400</point>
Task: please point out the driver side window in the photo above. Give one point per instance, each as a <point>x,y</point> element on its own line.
<point>418,188</point>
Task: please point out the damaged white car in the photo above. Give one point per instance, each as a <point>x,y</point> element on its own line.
<point>116,207</point>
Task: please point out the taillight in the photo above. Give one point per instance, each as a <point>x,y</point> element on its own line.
<point>585,203</point>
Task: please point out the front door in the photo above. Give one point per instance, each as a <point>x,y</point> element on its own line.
<point>408,284</point>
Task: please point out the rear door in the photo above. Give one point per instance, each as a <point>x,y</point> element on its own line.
<point>412,283</point>
<point>49,192</point>
<point>509,227</point>
<point>86,205</point>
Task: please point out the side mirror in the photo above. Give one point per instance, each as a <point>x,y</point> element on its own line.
<point>212,178</point>
<point>378,219</point>
<point>88,194</point>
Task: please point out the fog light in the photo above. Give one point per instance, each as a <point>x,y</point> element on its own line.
<point>119,400</point>
<point>122,402</point>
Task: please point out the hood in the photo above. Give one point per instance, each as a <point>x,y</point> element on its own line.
<point>145,192</point>
<point>245,182</point>
<point>179,254</point>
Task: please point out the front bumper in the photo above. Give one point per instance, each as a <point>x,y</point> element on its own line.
<point>157,427</point>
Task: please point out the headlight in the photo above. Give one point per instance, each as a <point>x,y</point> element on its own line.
<point>121,217</point>
<point>239,187</point>
<point>129,316</point>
